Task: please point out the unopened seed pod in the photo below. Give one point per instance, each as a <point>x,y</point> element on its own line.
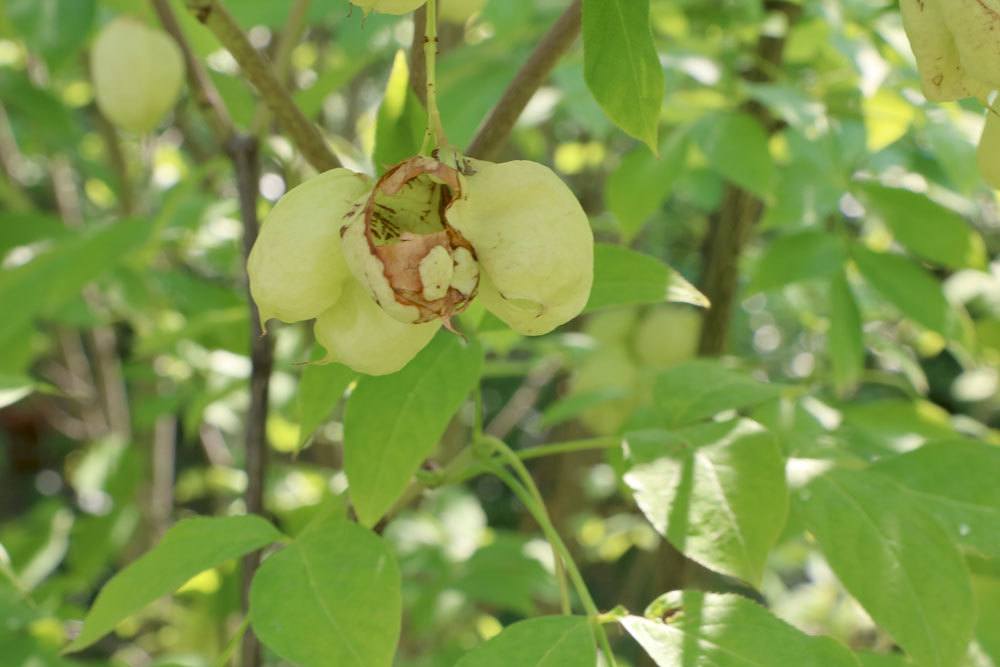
<point>388,6</point>
<point>296,267</point>
<point>668,335</point>
<point>610,371</point>
<point>533,241</point>
<point>459,11</point>
<point>399,244</point>
<point>359,334</point>
<point>137,73</point>
<point>988,152</point>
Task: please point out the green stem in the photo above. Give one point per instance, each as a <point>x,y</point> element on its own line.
<point>524,474</point>
<point>541,516</point>
<point>434,136</point>
<point>569,446</point>
<point>234,641</point>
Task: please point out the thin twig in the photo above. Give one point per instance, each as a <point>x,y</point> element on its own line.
<point>288,38</point>
<point>523,399</point>
<point>205,92</point>
<point>500,122</point>
<point>243,151</point>
<point>303,133</point>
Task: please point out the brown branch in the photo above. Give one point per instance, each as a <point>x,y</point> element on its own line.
<point>204,91</point>
<point>244,153</point>
<point>500,122</point>
<point>303,133</point>
<point>731,227</point>
<point>287,40</point>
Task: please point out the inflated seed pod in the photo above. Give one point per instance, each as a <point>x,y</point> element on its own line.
<point>296,267</point>
<point>611,371</point>
<point>975,26</point>
<point>988,152</point>
<point>532,239</point>
<point>388,6</point>
<point>399,244</point>
<point>137,73</point>
<point>942,74</point>
<point>359,334</point>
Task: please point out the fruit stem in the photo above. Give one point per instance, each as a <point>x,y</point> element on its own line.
<point>541,516</point>
<point>569,446</point>
<point>434,136</point>
<point>510,456</point>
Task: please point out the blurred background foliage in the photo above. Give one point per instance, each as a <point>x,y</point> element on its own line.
<point>124,346</point>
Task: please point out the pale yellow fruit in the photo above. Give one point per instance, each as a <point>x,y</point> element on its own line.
<point>459,11</point>
<point>398,243</point>
<point>359,334</point>
<point>296,266</point>
<point>608,369</point>
<point>611,327</point>
<point>137,73</point>
<point>389,6</point>
<point>668,335</point>
<point>988,152</point>
<point>533,241</point>
<point>975,27</point>
<point>942,74</point>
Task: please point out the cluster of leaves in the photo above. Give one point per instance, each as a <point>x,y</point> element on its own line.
<point>839,467</point>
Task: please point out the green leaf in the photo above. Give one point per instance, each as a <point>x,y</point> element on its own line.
<point>716,492</point>
<point>845,338</point>
<point>958,481</point>
<point>699,389</point>
<point>15,387</point>
<point>895,559</point>
<point>547,641</point>
<point>189,547</point>
<point>906,285</point>
<point>55,29</point>
<point>988,604</point>
<point>626,277</point>
<point>331,597</point>
<point>320,390</point>
<point>736,147</point>
<point>926,228</point>
<point>696,628</point>
<point>643,181</point>
<point>797,257</point>
<point>17,229</point>
<point>868,659</point>
<point>393,422</point>
<point>399,125</point>
<point>621,66</point>
<point>57,276</point>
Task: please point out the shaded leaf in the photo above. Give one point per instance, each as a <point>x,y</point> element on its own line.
<point>331,597</point>
<point>320,390</point>
<point>400,122</point>
<point>715,491</point>
<point>926,228</point>
<point>393,422</point>
<point>958,481</point>
<point>547,641</point>
<point>696,628</point>
<point>626,277</point>
<point>621,66</point>
<point>699,389</point>
<point>643,181</point>
<point>189,547</point>
<point>845,339</point>
<point>895,559</point>
<point>906,285</point>
<point>736,147</point>
<point>797,257</point>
